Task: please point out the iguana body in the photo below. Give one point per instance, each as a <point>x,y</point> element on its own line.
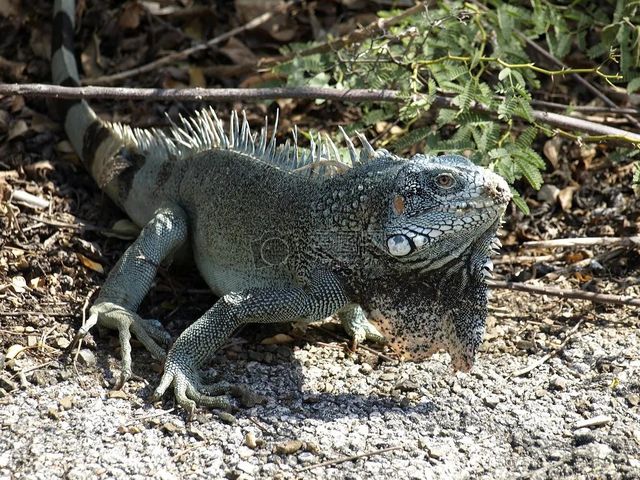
<point>404,239</point>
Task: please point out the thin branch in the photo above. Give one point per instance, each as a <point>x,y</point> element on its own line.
<point>348,459</point>
<point>563,293</point>
<point>587,109</point>
<point>577,77</point>
<point>596,132</point>
<point>583,242</point>
<point>174,57</point>
<point>375,28</point>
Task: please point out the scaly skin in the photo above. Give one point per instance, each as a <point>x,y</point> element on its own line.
<point>279,239</point>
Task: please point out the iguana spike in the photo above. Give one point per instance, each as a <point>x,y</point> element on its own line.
<point>353,153</point>
<point>224,141</point>
<point>367,152</point>
<point>333,149</point>
<point>262,147</point>
<point>296,158</point>
<point>245,132</point>
<point>233,129</point>
<point>272,143</point>
<point>211,127</point>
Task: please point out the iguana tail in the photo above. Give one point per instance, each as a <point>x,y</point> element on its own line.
<point>94,140</point>
<point>128,164</point>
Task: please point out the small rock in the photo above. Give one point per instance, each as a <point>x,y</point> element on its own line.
<point>250,440</point>
<point>365,368</point>
<point>247,467</point>
<point>558,383</point>
<point>62,342</point>
<point>169,427</point>
<point>436,452</point>
<point>633,399</point>
<point>195,433</point>
<point>53,413</point>
<point>245,452</point>
<point>287,448</point>
<point>227,418</point>
<point>601,450</point>
<point>597,421</point>
<point>306,457</point>
<point>66,403</point>
<point>555,454</point>
<point>491,401</point>
<point>86,357</point>
<point>583,436</point>
<point>122,395</point>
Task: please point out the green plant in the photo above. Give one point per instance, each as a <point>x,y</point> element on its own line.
<point>479,52</point>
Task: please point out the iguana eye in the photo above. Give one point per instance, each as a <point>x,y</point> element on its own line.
<point>445,180</point>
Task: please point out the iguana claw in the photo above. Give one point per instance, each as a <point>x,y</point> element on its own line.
<point>148,331</point>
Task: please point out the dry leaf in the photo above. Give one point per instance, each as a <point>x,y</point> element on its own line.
<point>19,284</point>
<point>238,52</point>
<point>18,129</point>
<point>278,339</point>
<point>123,229</point>
<point>551,150</point>
<point>566,197</point>
<point>130,16</point>
<point>14,350</point>
<point>90,264</point>
<point>575,257</point>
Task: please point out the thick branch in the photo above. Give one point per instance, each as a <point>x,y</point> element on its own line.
<point>598,131</point>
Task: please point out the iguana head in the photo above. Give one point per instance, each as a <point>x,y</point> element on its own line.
<point>437,209</point>
<point>437,234</point>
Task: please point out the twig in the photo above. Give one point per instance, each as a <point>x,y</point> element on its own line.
<point>577,77</point>
<point>546,357</point>
<point>564,293</point>
<point>586,108</point>
<point>596,132</point>
<point>374,28</point>
<point>348,459</point>
<point>173,57</point>
<point>583,242</point>
<point>364,347</point>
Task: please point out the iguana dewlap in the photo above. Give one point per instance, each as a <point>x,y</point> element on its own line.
<point>280,238</point>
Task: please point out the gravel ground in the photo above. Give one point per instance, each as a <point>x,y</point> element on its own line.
<point>574,416</point>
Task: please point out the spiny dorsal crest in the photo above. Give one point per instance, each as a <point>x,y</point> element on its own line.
<point>204,131</point>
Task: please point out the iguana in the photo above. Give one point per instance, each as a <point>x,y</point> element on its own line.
<point>282,234</point>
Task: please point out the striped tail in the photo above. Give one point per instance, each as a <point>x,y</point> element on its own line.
<point>98,144</point>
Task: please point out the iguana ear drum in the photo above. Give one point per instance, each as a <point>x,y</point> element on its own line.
<point>399,245</point>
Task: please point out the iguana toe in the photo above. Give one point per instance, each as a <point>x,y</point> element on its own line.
<point>148,332</point>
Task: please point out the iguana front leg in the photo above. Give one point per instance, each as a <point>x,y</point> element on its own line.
<point>358,327</point>
<point>196,345</point>
<point>129,282</point>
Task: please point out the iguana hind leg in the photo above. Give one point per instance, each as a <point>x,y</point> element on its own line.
<point>197,344</point>
<point>129,282</point>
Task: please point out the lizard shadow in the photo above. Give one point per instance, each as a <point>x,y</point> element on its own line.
<point>313,386</point>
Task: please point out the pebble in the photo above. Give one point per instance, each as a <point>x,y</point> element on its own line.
<point>306,457</point>
<point>558,383</point>
<point>246,467</point>
<point>491,401</point>
<point>86,357</point>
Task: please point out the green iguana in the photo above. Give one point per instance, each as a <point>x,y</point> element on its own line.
<point>278,238</point>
